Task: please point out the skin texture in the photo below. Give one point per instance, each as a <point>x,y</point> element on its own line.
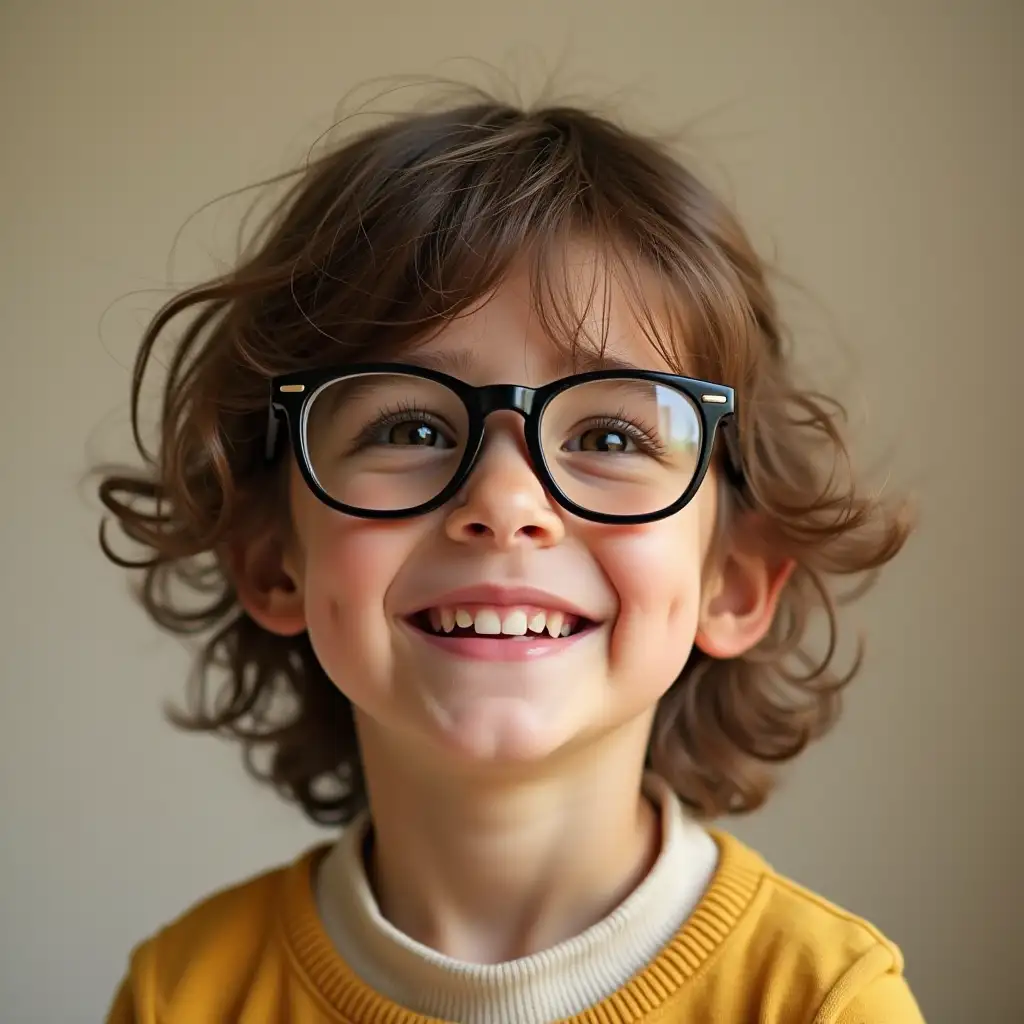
<point>505,796</point>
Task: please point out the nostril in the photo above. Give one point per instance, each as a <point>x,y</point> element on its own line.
<point>483,530</point>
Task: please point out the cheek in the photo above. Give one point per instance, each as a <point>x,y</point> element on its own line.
<point>346,576</point>
<point>656,574</point>
<point>347,566</point>
<point>656,571</point>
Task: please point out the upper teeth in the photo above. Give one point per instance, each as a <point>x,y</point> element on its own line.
<point>502,621</point>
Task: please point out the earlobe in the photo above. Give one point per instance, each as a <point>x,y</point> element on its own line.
<point>739,606</point>
<point>268,585</point>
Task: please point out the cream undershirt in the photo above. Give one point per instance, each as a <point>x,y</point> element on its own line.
<point>546,986</point>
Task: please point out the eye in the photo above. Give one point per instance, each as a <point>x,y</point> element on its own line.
<point>416,433</point>
<point>401,428</point>
<point>603,439</point>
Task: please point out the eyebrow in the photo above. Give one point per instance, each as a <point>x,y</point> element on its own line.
<point>457,362</point>
<point>461,362</point>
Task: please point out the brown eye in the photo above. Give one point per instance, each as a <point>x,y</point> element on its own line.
<point>413,433</point>
<point>603,440</point>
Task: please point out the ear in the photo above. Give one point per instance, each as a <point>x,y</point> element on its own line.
<point>268,584</point>
<point>741,596</point>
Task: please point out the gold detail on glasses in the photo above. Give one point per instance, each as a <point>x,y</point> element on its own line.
<point>293,387</point>
<point>713,399</point>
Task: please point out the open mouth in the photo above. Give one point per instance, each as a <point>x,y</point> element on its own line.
<point>499,623</point>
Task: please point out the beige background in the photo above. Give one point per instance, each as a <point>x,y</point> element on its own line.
<point>874,147</point>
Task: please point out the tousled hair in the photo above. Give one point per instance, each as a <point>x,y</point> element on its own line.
<point>382,239</point>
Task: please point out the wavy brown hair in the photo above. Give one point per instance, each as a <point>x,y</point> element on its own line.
<point>379,240</point>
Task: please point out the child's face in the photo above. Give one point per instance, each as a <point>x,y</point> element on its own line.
<point>357,583</point>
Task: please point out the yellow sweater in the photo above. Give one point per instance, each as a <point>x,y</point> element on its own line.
<point>757,948</point>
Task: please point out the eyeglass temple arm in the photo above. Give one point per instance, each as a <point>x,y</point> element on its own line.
<point>274,415</point>
<point>733,459</point>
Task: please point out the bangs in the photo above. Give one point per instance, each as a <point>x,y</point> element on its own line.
<point>588,302</point>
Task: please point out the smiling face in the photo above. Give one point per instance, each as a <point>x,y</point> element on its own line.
<point>500,628</point>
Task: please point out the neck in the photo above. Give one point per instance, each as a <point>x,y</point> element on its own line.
<point>491,870</point>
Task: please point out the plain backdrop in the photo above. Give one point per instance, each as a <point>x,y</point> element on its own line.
<point>874,150</point>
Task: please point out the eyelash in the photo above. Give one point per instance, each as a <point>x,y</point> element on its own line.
<point>643,437</point>
<point>392,417</point>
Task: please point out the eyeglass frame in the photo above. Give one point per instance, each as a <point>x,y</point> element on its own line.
<point>292,396</point>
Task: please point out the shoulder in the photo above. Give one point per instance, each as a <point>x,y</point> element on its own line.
<point>812,952</point>
<point>239,913</point>
<point>219,939</point>
<point>812,925</point>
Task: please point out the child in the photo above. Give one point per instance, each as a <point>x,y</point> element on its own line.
<point>509,518</point>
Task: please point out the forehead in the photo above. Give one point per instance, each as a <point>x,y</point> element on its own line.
<point>584,319</point>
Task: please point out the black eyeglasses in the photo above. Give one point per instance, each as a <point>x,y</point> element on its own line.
<point>390,441</point>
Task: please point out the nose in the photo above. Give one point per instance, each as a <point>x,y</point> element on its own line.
<point>504,505</point>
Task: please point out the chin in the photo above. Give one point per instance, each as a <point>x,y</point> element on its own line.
<point>499,731</point>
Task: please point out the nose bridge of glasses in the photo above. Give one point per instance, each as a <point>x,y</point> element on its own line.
<point>506,397</point>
